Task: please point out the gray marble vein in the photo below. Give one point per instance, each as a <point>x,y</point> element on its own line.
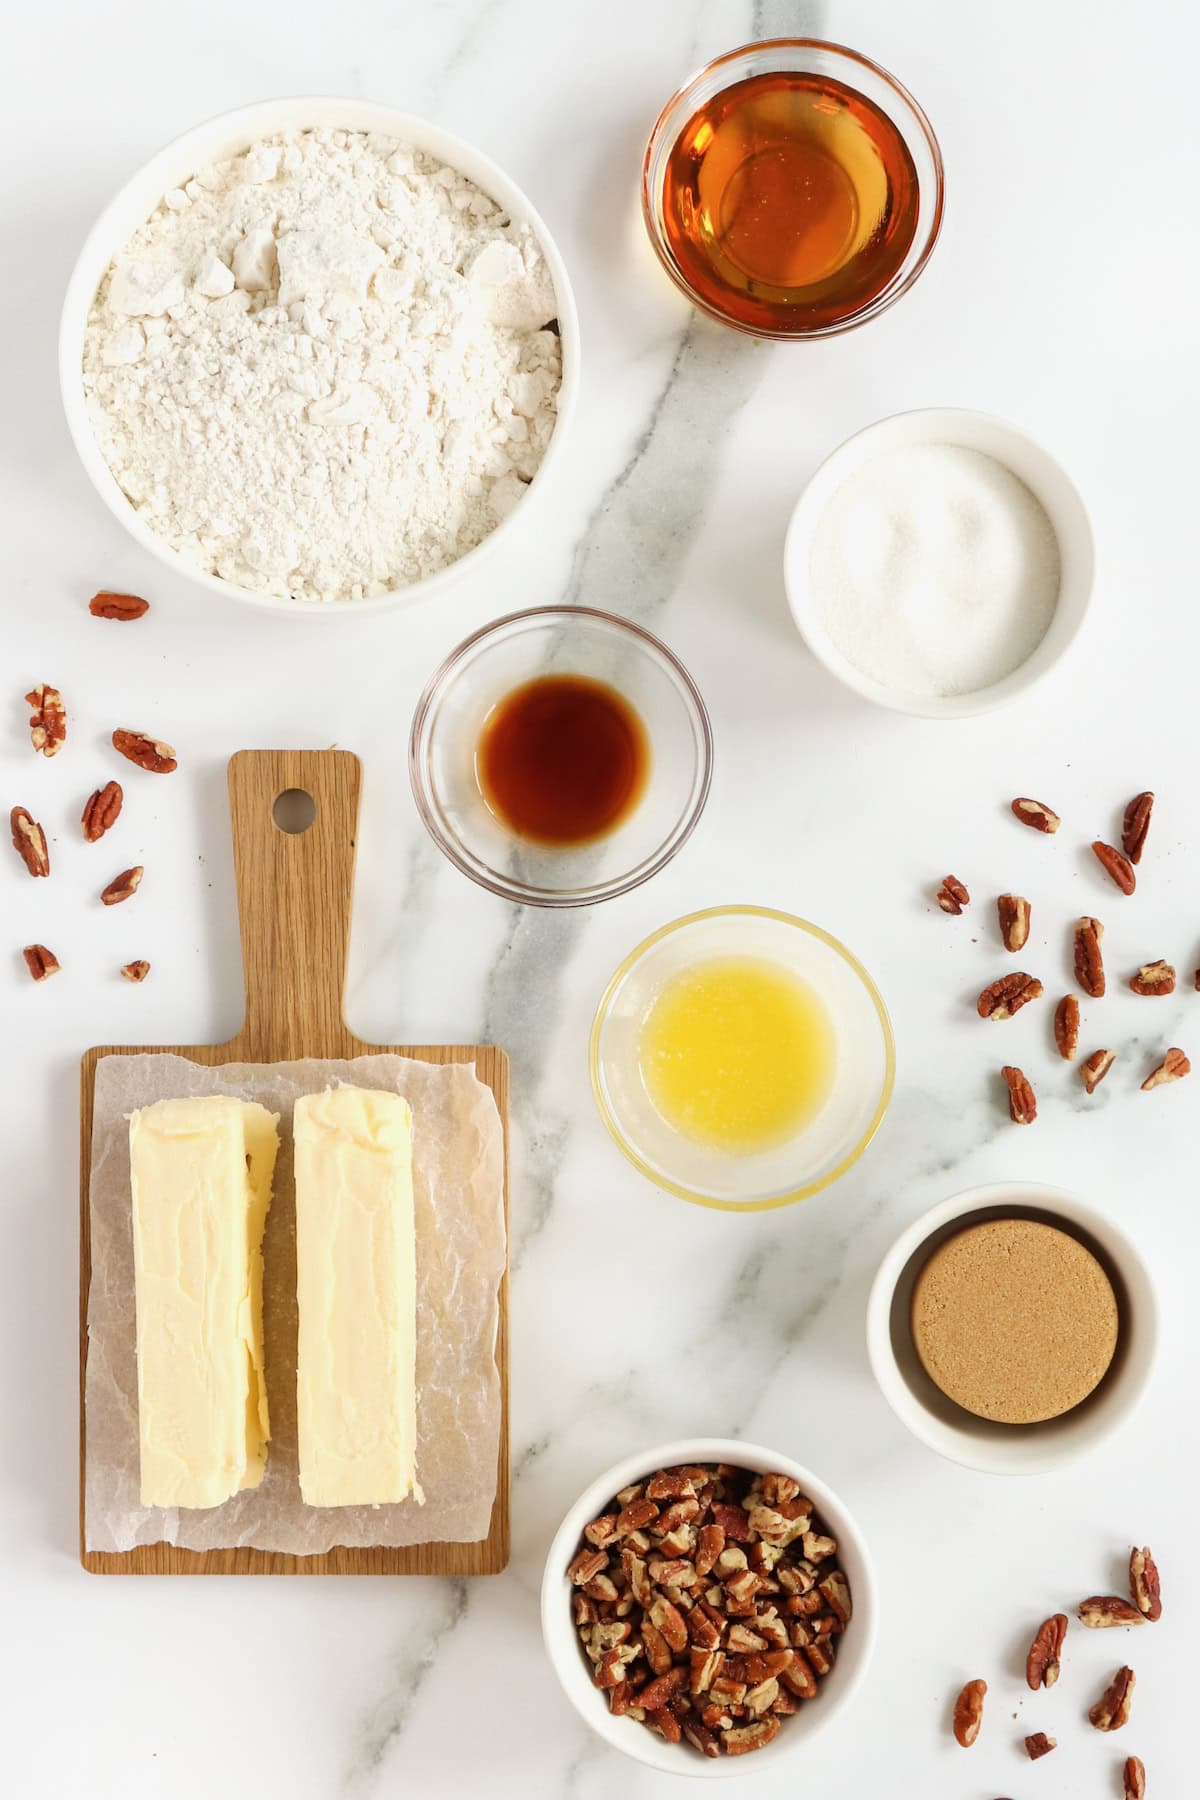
<point>384,1725</point>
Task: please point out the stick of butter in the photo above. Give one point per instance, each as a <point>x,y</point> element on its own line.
<point>201,1174</point>
<point>356,1285</point>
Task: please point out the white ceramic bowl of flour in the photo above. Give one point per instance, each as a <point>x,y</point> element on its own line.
<point>226,136</point>
<point>939,563</point>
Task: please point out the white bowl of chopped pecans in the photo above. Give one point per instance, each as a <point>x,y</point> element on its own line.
<point>721,1581</point>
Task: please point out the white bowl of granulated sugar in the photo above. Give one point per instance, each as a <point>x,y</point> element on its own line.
<point>319,355</point>
<point>939,563</point>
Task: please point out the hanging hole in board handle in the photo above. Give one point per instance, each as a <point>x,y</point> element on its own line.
<point>294,811</point>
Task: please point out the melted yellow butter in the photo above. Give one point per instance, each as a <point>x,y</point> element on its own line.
<point>738,1053</point>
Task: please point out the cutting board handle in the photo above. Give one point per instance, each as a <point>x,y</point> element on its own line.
<point>294,895</point>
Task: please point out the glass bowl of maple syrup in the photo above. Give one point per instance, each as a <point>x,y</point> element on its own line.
<point>793,189</point>
<point>561,756</point>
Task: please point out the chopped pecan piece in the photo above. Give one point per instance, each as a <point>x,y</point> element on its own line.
<point>1144,1583</point>
<point>710,1541</point>
<point>1042,1663</point>
<point>123,886</point>
<point>1108,1609</point>
<point>837,1597</point>
<point>1022,1101</point>
<point>1033,812</point>
<point>117,606</point>
<point>135,971</point>
<point>102,811</point>
<point>1013,914</point>
<point>734,1522</point>
<point>1039,1745</point>
<point>968,1713</point>
<point>700,1737</point>
<point>1173,1067</point>
<point>40,962</point>
<point>29,841</point>
<point>48,721</point>
<point>778,1488</point>
<point>658,1651</point>
<point>670,1484</point>
<point>1093,1071</point>
<point>1134,1778</point>
<point>601,1531</point>
<point>1066,1027</point>
<point>147,752</point>
<point>1089,963</point>
<point>587,1564</point>
<point>1116,866</point>
<point>1003,998</point>
<point>1154,978</point>
<point>952,896</point>
<point>1135,825</point>
<point>744,1738</point>
<point>1112,1709</point>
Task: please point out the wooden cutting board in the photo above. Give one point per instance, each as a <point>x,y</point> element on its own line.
<point>294,899</point>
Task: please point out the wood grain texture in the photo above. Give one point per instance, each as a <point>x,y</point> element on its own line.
<point>294,899</point>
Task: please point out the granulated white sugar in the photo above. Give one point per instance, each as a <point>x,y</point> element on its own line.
<point>934,570</point>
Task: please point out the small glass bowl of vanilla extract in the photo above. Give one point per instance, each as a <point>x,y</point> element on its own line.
<point>793,189</point>
<point>561,756</point>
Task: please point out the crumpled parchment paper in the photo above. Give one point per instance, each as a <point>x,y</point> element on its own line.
<point>458,1185</point>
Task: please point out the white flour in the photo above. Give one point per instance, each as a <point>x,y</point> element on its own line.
<point>321,368</point>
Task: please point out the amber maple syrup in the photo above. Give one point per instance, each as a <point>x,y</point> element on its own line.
<point>789,201</point>
<point>562,759</point>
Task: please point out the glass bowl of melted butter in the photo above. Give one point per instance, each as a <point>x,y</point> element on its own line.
<point>742,1058</point>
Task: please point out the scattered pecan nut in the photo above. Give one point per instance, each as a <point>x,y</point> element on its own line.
<point>1007,996</point>
<point>29,841</point>
<point>1134,1778</point>
<point>48,719</point>
<point>117,606</point>
<point>40,962</point>
<point>1022,1101</point>
<point>1043,1662</point>
<point>968,1713</point>
<point>1039,1745</point>
<point>1066,1027</point>
<point>135,971</point>
<point>1089,964</point>
<point>1108,1609</point>
<point>1095,1068</point>
<point>1135,825</point>
<point>1034,813</point>
<point>1173,1067</point>
<point>1013,913</point>
<point>1144,1583</point>
<point>1154,978</point>
<point>123,886</point>
<point>952,896</point>
<point>146,752</point>
<point>102,811</point>
<point>1116,866</point>
<point>1112,1709</point>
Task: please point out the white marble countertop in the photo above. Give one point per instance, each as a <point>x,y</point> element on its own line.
<point>1054,299</point>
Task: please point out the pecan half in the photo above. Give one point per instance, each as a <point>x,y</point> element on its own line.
<point>968,1713</point>
<point>1112,1709</point>
<point>1116,866</point>
<point>40,962</point>
<point>1134,1778</point>
<point>1042,1663</point>
<point>1013,913</point>
<point>146,752</point>
<point>1173,1067</point>
<point>1007,996</point>
<point>1033,812</point>
<point>1144,1583</point>
<point>1135,825</point>
<point>117,606</point>
<point>135,971</point>
<point>1066,1027</point>
<point>1022,1101</point>
<point>1093,1071</point>
<point>48,720</point>
<point>1108,1609</point>
<point>952,896</point>
<point>123,886</point>
<point>29,841</point>
<point>1154,978</point>
<point>1039,1745</point>
<point>102,811</point>
<point>1089,964</point>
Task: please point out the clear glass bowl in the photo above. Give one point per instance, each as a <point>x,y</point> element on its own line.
<point>787,56</point>
<point>828,1144</point>
<point>560,640</point>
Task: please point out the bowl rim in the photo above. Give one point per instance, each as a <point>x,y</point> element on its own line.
<point>260,117</point>
<point>555,1592</point>
<point>444,675</point>
<point>1072,1209</point>
<point>874,308</point>
<point>771,1202</point>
